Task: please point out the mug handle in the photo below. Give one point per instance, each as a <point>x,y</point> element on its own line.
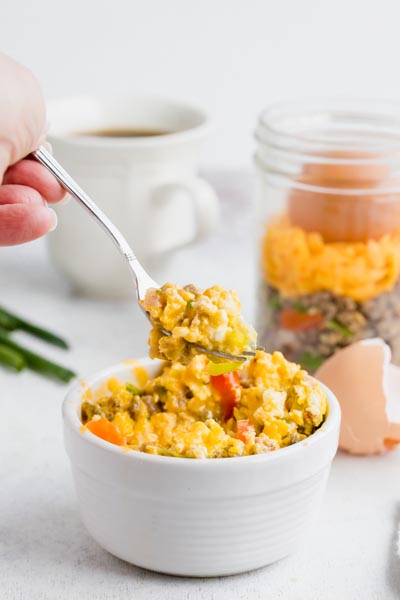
<point>182,213</point>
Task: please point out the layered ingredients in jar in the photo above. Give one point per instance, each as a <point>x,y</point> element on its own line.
<point>187,411</point>
<point>331,265</point>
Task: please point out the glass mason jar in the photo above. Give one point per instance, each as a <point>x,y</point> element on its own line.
<point>328,202</point>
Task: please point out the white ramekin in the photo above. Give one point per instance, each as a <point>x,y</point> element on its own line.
<point>196,517</point>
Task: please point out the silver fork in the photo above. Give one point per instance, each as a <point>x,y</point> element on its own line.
<point>142,279</point>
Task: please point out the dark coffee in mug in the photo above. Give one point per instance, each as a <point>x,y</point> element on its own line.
<point>122,133</point>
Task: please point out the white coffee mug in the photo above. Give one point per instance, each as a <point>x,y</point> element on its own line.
<point>147,185</point>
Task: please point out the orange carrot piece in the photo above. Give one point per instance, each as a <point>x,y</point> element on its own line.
<point>106,431</point>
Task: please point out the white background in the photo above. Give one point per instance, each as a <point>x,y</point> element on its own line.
<point>231,56</point>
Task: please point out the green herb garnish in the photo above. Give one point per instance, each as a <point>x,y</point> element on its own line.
<point>37,363</point>
<point>340,328</point>
<point>133,389</point>
<point>274,302</point>
<point>12,322</point>
<point>7,322</point>
<point>166,452</point>
<point>311,362</point>
<point>11,358</point>
<point>299,306</point>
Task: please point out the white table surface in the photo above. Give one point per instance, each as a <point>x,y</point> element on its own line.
<point>45,553</point>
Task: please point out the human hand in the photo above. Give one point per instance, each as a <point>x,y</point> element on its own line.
<point>25,185</point>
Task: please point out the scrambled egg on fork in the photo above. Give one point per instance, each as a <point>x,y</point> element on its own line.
<point>212,319</point>
<point>268,403</point>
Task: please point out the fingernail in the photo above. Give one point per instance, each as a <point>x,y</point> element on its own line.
<point>54,219</point>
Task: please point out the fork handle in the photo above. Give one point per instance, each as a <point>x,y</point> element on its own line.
<point>44,157</point>
<point>142,279</point>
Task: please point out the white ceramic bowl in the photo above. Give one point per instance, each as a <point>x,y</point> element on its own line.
<point>196,517</point>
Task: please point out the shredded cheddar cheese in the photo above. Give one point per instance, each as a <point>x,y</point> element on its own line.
<point>296,263</point>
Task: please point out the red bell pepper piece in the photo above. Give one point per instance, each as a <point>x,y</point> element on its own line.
<point>244,427</point>
<point>227,386</point>
<point>295,320</point>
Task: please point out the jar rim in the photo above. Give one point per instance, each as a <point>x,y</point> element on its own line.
<point>312,127</point>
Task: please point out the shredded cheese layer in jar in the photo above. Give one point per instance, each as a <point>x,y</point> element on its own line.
<point>297,263</point>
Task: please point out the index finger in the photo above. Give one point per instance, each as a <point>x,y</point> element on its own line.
<point>30,173</point>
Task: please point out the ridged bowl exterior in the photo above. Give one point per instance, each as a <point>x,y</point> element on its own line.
<point>197,517</point>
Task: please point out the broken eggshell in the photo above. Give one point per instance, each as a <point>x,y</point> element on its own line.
<point>367,386</point>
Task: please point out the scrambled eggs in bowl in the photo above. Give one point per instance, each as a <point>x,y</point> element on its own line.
<point>211,319</point>
<point>199,411</point>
